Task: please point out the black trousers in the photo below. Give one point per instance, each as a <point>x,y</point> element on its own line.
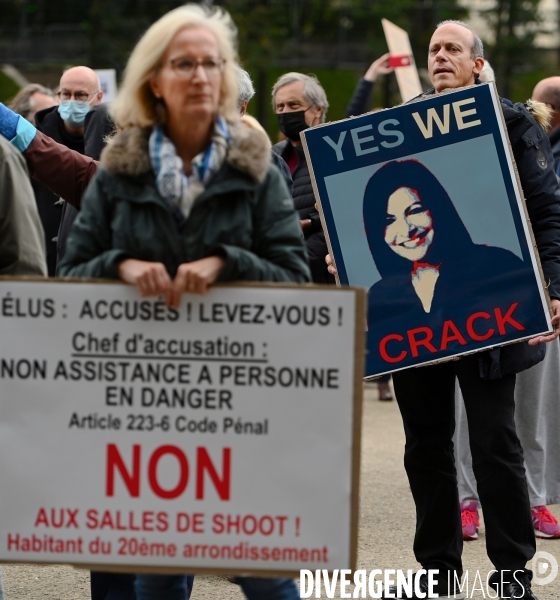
<point>112,586</point>
<point>425,397</point>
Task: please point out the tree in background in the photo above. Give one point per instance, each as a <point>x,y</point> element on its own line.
<point>114,27</point>
<point>341,37</point>
<point>305,35</point>
<point>514,25</point>
<point>100,33</point>
<point>263,28</point>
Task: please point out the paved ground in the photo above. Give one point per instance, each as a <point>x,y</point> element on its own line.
<point>386,528</point>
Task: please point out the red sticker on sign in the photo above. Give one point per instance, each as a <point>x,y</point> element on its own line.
<point>404,60</point>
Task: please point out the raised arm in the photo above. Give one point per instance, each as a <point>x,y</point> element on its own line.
<point>359,104</point>
<point>64,171</point>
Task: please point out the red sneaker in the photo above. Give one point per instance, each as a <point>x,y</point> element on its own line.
<point>469,520</point>
<point>545,523</point>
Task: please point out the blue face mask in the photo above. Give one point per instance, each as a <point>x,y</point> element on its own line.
<point>73,112</point>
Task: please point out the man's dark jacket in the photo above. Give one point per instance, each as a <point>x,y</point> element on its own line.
<point>97,127</point>
<point>538,179</point>
<point>50,206</point>
<point>555,144</point>
<point>360,101</point>
<point>304,202</point>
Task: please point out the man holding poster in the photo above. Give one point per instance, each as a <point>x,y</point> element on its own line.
<point>425,395</point>
<point>410,232</point>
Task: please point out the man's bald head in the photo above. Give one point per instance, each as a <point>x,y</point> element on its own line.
<point>548,91</point>
<point>82,79</point>
<point>79,92</point>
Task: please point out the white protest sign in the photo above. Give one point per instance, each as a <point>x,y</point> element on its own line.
<point>222,436</point>
<point>108,82</point>
<point>403,60</point>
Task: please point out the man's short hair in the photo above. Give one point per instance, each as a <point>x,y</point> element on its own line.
<point>313,91</point>
<point>245,86</point>
<point>22,104</point>
<point>477,49</point>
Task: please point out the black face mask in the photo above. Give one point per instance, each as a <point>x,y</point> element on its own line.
<point>291,123</point>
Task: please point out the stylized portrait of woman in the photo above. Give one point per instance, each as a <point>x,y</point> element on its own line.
<point>431,271</point>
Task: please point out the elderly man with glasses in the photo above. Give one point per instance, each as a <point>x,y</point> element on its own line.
<point>78,92</point>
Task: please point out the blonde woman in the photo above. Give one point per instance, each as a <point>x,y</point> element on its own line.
<point>186,196</point>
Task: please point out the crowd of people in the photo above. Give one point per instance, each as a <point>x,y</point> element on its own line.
<point>173,187</point>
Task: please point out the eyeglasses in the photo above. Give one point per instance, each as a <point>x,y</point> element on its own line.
<point>79,96</point>
<point>185,66</point>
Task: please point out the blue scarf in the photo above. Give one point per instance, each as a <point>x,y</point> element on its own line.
<point>178,190</point>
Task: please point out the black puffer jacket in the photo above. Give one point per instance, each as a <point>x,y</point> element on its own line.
<point>304,202</point>
<point>97,127</point>
<point>555,143</point>
<point>359,103</point>
<point>304,199</point>
<point>49,204</point>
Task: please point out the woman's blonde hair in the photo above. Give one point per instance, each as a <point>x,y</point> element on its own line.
<point>135,104</point>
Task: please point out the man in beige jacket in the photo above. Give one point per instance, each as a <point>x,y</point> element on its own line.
<point>22,241</point>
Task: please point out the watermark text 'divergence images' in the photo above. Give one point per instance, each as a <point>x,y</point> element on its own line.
<point>377,583</point>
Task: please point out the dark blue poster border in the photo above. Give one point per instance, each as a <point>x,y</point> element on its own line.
<point>421,205</point>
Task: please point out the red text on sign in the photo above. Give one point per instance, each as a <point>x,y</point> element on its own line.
<point>131,476</point>
<point>58,518</point>
<point>248,524</point>
<point>146,520</point>
<point>395,347</point>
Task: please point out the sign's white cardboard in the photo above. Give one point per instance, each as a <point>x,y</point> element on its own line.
<point>223,436</point>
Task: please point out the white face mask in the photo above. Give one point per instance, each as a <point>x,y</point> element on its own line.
<point>73,112</point>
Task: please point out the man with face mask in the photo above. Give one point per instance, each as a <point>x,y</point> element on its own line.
<point>79,91</point>
<point>299,102</point>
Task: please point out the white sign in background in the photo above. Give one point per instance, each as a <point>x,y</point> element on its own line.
<point>218,436</point>
<point>108,82</point>
<point>399,45</point>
